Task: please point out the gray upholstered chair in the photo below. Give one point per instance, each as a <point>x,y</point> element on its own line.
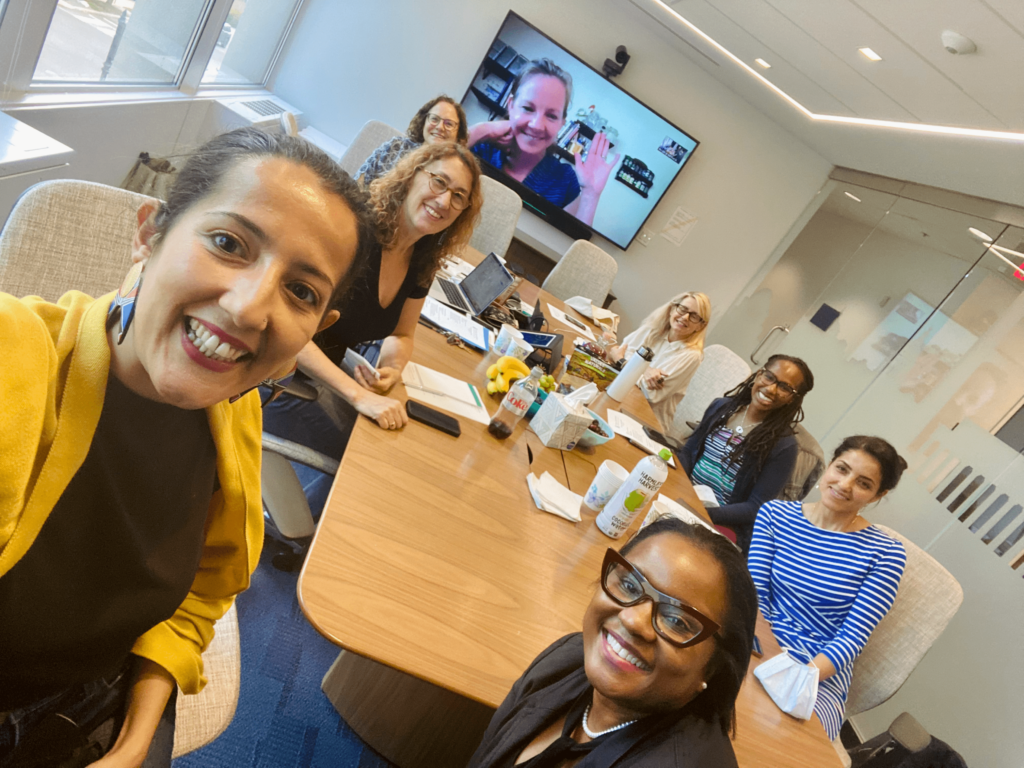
<point>584,270</point>
<point>370,136</point>
<point>810,463</point>
<point>498,218</point>
<point>719,371</point>
<point>64,235</point>
<point>927,600</point>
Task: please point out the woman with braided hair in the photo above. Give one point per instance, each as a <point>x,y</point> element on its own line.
<point>744,448</point>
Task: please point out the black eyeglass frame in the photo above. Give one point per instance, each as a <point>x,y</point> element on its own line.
<point>433,119</point>
<point>771,379</point>
<point>687,314</point>
<point>439,179</point>
<point>709,627</point>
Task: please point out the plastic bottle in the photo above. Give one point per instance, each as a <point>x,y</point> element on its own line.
<point>619,389</point>
<point>515,405</point>
<point>633,496</point>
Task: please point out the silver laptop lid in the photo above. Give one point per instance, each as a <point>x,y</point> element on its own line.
<point>485,283</point>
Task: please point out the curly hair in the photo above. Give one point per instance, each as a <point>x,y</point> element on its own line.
<point>415,129</point>
<point>658,323</point>
<point>387,196</point>
<point>777,424</point>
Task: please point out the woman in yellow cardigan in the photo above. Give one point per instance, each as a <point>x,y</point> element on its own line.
<point>130,511</point>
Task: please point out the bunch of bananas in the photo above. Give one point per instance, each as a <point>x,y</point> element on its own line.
<point>503,373</point>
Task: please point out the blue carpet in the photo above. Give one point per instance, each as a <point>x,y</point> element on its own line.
<point>283,719</point>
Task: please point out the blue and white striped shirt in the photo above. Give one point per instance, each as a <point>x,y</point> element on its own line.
<point>823,592</point>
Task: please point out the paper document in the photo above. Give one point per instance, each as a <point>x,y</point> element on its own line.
<point>354,360</point>
<point>449,319</point>
<point>455,268</point>
<point>633,430</point>
<point>706,495</point>
<point>558,316</point>
<point>444,392</point>
<point>683,512</point>
<point>551,496</point>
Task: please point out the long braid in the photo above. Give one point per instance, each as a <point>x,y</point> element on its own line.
<point>778,424</point>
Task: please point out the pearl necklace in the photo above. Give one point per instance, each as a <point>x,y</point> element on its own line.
<point>594,734</point>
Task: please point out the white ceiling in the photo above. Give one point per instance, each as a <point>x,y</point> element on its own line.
<point>812,47</point>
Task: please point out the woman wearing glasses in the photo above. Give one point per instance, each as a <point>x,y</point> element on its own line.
<point>438,121</point>
<point>825,576</point>
<point>675,333</point>
<point>744,448</point>
<point>653,678</point>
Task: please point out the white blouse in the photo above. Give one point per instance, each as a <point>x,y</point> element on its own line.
<point>677,361</point>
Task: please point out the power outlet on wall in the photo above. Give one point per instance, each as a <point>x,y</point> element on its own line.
<point>644,238</point>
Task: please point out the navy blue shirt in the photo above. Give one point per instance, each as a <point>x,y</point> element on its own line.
<point>552,179</point>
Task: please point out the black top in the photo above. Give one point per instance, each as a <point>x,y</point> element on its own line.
<point>554,682</point>
<point>116,556</point>
<point>362,317</point>
<point>751,488</point>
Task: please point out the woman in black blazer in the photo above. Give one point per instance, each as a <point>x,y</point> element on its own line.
<point>744,448</point>
<point>653,678</point>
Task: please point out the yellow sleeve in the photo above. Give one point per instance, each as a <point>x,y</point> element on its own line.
<point>234,537</point>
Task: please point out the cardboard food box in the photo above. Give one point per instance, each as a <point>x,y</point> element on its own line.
<point>584,367</point>
<point>560,424</point>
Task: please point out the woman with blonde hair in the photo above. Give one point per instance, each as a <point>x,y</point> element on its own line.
<point>675,333</point>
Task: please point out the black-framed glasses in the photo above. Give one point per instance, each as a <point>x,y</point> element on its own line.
<point>439,185</point>
<point>770,378</point>
<point>676,622</point>
<point>435,120</point>
<point>686,314</point>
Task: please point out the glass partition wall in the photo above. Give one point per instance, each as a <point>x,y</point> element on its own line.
<point>909,309</point>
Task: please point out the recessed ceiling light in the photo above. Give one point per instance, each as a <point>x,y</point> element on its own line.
<point>852,197</point>
<point>764,64</point>
<point>868,53</point>
<point>979,234</point>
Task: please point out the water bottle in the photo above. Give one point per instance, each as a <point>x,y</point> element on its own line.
<point>634,495</point>
<point>515,405</point>
<point>619,389</point>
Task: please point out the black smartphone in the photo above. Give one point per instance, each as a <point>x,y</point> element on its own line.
<point>657,437</point>
<point>757,648</point>
<point>426,415</point>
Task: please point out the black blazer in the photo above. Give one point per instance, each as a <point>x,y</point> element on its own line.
<point>548,688</point>
<point>752,488</point>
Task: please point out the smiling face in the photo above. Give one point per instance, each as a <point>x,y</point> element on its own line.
<point>253,264</point>
<point>767,396</point>
<point>426,211</point>
<point>438,133</point>
<point>851,482</point>
<point>626,661</point>
<point>681,326</point>
<point>537,113</point>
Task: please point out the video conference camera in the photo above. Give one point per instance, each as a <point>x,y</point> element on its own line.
<point>613,68</point>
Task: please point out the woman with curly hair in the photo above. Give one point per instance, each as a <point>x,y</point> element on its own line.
<point>438,121</point>
<point>744,448</point>
<point>425,209</point>
<point>674,332</point>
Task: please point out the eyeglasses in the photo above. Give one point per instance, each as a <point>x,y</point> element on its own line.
<point>435,120</point>
<point>770,379</point>
<point>675,621</point>
<point>439,185</point>
<point>684,313</point>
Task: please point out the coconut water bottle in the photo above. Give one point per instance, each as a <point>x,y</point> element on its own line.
<point>634,495</point>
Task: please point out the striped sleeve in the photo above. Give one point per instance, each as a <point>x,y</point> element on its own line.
<point>873,601</point>
<point>760,558</point>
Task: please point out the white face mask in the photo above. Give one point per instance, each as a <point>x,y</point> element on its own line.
<point>793,686</point>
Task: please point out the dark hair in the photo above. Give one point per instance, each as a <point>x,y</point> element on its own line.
<point>777,424</point>
<point>547,68</point>
<point>387,196</point>
<point>890,462</point>
<point>209,164</point>
<point>415,129</point>
<point>735,639</point>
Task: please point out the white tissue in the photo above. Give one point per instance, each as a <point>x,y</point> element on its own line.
<point>551,496</point>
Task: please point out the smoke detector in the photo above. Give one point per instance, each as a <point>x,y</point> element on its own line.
<point>957,44</point>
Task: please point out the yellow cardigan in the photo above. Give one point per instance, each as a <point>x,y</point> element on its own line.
<point>53,378</point>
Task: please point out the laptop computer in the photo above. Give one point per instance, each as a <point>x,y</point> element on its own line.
<point>477,290</point>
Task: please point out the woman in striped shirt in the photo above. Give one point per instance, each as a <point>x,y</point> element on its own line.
<point>825,576</point>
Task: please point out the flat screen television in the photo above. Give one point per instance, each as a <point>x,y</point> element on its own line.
<point>518,128</point>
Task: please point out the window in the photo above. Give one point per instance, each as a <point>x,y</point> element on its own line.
<point>119,41</point>
<point>248,42</point>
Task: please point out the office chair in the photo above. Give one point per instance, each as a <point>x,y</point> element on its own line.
<point>498,218</point>
<point>76,234</point>
<point>719,371</point>
<point>584,270</point>
<point>370,136</point>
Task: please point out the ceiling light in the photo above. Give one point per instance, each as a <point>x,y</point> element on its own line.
<point>868,53</point>
<point>1018,254</point>
<point>763,63</point>
<point>979,234</point>
<point>1015,267</point>
<point>852,197</point>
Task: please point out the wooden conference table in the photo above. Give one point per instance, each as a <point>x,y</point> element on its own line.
<point>433,568</point>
